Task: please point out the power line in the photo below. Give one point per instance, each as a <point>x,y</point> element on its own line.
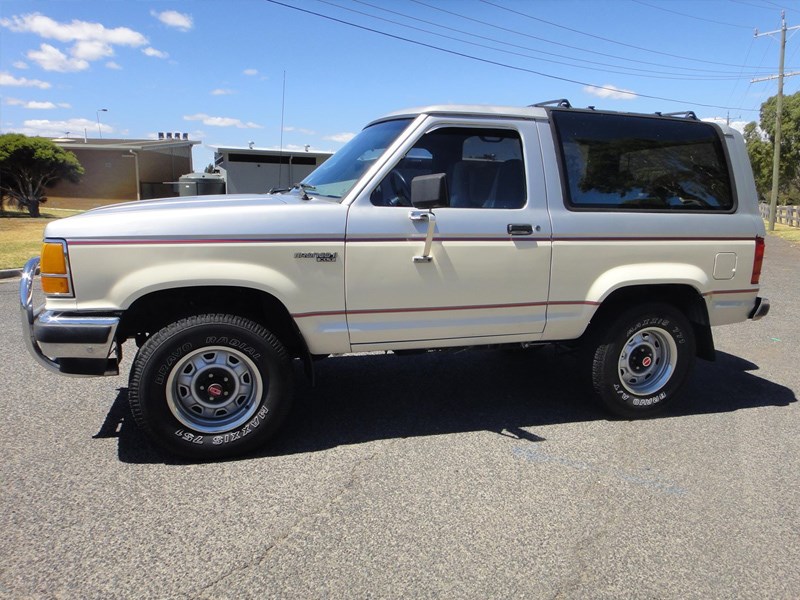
<point>760,6</point>
<point>597,37</point>
<point>735,85</point>
<point>497,63</point>
<point>630,71</point>
<point>779,6</point>
<point>730,74</point>
<point>675,12</point>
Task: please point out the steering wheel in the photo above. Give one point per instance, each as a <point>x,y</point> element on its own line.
<point>400,188</point>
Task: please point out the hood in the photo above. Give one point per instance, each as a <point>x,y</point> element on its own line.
<point>235,216</point>
<point>188,202</point>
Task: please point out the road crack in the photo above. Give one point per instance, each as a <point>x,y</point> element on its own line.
<point>349,485</point>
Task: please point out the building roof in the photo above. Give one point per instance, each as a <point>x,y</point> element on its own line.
<point>268,151</point>
<point>121,144</point>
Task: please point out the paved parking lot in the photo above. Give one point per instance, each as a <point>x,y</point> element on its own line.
<point>466,475</point>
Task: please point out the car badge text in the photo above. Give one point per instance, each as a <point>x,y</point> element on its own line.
<point>319,256</point>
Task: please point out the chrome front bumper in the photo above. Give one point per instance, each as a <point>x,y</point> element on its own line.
<point>64,343</point>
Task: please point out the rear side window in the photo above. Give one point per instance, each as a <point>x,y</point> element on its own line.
<point>642,163</point>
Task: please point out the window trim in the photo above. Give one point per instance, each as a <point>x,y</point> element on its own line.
<point>562,168</point>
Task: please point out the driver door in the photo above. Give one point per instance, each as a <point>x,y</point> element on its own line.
<point>486,272</point>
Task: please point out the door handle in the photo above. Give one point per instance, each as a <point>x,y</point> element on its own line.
<point>521,229</point>
<point>418,215</point>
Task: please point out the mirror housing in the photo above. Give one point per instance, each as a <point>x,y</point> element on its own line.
<point>430,191</point>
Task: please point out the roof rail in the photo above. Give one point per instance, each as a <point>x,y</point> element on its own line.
<point>686,114</point>
<point>560,103</point>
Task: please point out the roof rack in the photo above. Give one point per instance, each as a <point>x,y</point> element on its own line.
<point>686,114</point>
<point>560,103</point>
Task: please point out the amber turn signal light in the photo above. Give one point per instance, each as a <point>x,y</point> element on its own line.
<point>54,269</point>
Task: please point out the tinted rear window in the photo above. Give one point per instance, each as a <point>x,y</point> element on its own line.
<point>641,163</point>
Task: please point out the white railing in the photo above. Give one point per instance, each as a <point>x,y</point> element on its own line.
<point>788,215</point>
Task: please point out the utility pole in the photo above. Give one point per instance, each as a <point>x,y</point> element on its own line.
<point>776,156</point>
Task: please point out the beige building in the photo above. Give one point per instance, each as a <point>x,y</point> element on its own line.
<point>126,169</point>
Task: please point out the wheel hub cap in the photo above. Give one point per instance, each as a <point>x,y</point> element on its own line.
<point>214,389</point>
<point>647,361</point>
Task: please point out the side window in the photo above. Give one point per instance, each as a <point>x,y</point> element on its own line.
<point>484,168</point>
<point>642,163</point>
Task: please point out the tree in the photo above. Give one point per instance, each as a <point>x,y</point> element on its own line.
<point>760,140</point>
<point>30,165</point>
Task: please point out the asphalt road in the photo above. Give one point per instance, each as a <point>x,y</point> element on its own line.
<point>469,475</point>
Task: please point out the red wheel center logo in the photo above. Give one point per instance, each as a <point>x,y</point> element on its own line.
<point>647,361</point>
<point>215,390</point>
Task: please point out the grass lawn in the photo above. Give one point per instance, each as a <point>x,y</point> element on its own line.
<point>791,234</point>
<point>21,236</point>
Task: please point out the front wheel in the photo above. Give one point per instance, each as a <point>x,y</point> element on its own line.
<point>643,360</point>
<point>211,386</point>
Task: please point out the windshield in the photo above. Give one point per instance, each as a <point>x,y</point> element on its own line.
<point>337,175</point>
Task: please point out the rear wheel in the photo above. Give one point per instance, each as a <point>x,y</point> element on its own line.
<point>211,386</point>
<point>643,360</point>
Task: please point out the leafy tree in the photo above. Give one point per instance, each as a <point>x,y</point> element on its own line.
<point>760,140</point>
<point>29,165</point>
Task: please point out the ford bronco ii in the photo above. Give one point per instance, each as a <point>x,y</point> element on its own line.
<point>627,235</point>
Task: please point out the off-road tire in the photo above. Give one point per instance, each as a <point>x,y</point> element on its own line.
<point>643,360</point>
<point>211,386</point>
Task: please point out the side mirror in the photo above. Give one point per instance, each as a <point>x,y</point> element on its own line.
<point>429,191</point>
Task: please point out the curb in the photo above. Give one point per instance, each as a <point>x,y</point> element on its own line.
<point>9,273</point>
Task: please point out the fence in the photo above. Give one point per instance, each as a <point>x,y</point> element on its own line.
<point>788,215</point>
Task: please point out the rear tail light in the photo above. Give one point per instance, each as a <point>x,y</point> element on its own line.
<point>758,259</point>
<point>54,268</point>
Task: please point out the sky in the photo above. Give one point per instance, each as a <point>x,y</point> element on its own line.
<point>290,73</point>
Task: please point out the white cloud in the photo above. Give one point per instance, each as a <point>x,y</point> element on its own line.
<point>173,18</point>
<point>74,31</point>
<point>46,127</point>
<point>90,41</point>
<point>340,137</point>
<point>222,92</point>
<point>737,125</point>
<point>9,80</point>
<point>91,50</point>
<point>250,72</point>
<point>150,51</point>
<point>112,65</point>
<point>221,121</point>
<point>51,58</point>
<point>35,104</point>
<point>610,91</point>
<point>20,65</point>
<point>299,130</point>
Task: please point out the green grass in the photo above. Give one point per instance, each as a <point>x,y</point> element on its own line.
<point>21,236</point>
<point>791,234</point>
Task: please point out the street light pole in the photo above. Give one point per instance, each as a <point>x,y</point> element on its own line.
<point>97,112</point>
